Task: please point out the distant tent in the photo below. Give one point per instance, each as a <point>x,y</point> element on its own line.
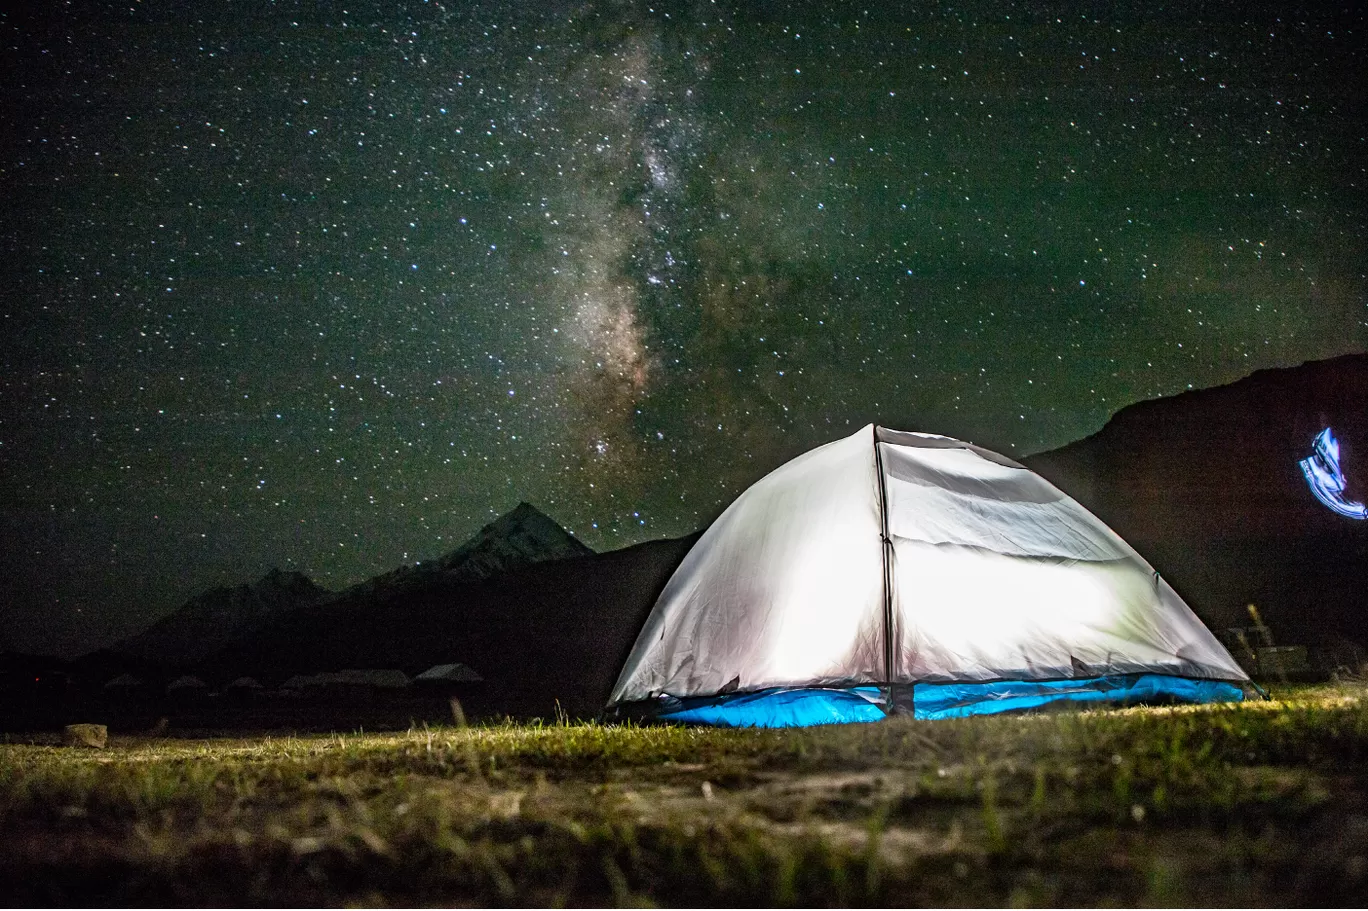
<point>243,689</point>
<point>186,684</point>
<point>448,673</point>
<point>379,679</point>
<point>244,684</point>
<point>300,681</point>
<point>123,682</point>
<point>894,572</point>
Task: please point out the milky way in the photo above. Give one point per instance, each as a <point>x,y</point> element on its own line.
<point>330,288</point>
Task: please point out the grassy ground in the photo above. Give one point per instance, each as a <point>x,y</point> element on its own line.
<point>1258,804</point>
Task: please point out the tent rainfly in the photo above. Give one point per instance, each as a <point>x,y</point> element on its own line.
<point>909,573</point>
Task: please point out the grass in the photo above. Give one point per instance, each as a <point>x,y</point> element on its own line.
<point>1255,804</point>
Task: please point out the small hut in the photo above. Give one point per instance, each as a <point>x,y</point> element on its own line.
<point>447,674</point>
<point>243,689</point>
<point>186,685</point>
<point>123,685</point>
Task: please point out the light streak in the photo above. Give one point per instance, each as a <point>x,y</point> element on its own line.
<point>1326,480</point>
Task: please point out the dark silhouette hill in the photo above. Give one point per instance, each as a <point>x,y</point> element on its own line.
<point>543,619</point>
<point>219,617</point>
<point>547,634</point>
<point>519,538</point>
<point>1207,486</point>
<point>214,620</point>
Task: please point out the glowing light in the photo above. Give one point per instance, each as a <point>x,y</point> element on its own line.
<point>1323,476</point>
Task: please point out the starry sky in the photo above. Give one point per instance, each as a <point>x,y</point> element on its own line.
<point>328,286</point>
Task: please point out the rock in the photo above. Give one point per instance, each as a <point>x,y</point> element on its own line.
<point>85,735</point>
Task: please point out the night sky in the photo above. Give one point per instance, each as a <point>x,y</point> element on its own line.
<point>329,289</point>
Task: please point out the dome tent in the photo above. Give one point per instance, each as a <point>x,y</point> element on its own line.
<point>892,572</point>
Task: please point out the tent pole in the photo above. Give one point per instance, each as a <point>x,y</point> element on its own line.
<point>886,547</point>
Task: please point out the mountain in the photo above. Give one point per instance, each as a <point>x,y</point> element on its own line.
<point>519,538</point>
<point>541,617</point>
<point>545,634</point>
<point>216,619</point>
<point>516,539</point>
<point>1208,486</point>
<point>220,616</point>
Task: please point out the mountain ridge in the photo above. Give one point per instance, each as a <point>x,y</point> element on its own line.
<point>215,619</point>
<point>1208,486</point>
<point>547,634</point>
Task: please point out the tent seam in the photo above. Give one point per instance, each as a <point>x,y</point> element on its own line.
<point>885,546</point>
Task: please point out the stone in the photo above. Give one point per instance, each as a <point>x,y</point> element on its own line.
<point>85,735</point>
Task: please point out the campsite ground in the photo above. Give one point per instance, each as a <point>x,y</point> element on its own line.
<point>1258,804</point>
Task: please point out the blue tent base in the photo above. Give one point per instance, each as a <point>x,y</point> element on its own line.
<point>779,708</point>
<point>782,708</point>
<point>957,700</point>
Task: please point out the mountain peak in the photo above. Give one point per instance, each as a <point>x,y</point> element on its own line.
<point>220,617</point>
<point>289,582</point>
<point>519,537</point>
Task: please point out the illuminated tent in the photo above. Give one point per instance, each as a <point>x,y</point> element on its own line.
<point>894,572</point>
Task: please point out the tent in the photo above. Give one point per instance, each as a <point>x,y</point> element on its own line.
<point>243,685</point>
<point>375,679</point>
<point>448,673</point>
<point>123,683</point>
<point>910,573</point>
<point>244,689</point>
<point>187,684</point>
